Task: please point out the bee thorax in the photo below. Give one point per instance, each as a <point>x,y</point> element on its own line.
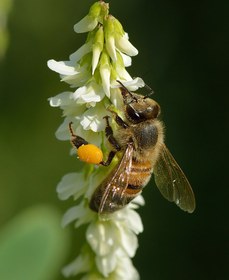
<point>146,135</point>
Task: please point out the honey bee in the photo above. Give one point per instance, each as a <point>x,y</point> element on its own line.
<point>139,140</point>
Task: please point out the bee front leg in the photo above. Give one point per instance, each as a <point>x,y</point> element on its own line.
<point>119,120</point>
<point>110,136</point>
<point>109,159</point>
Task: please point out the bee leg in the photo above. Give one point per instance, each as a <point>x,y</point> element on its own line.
<point>110,136</point>
<point>119,120</point>
<point>113,142</point>
<point>109,160</point>
<point>76,141</point>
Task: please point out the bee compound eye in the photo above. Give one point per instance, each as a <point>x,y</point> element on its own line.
<point>90,153</point>
<point>155,111</point>
<point>133,114</point>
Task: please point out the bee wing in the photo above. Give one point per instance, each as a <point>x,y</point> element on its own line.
<point>119,181</point>
<point>172,182</point>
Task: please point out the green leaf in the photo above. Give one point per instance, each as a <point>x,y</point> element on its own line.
<point>33,245</point>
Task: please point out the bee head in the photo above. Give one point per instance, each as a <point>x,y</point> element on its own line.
<point>139,108</point>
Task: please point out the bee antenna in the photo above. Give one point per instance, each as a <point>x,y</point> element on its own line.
<point>124,87</point>
<point>126,90</point>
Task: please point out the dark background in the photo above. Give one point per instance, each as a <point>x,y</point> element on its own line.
<point>183,57</point>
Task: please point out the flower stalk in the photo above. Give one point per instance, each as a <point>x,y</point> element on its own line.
<point>92,73</point>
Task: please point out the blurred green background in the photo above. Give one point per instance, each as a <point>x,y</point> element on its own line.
<point>183,57</point>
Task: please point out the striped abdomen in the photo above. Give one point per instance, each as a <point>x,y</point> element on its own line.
<point>117,191</point>
<point>139,176</point>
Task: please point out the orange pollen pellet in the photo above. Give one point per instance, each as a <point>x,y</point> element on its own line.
<point>90,153</point>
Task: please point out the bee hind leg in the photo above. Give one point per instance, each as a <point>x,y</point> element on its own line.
<point>76,140</point>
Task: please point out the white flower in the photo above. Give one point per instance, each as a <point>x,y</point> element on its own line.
<point>93,118</point>
<point>94,72</point>
<point>97,48</point>
<point>127,60</point>
<point>81,213</point>
<point>73,75</point>
<point>66,101</point>
<point>62,132</point>
<point>124,45</point>
<point>110,38</point>
<point>71,71</point>
<point>88,23</point>
<point>62,67</point>
<point>89,94</point>
<point>81,52</point>
<point>125,270</point>
<point>111,48</point>
<point>80,265</point>
<point>114,238</point>
<point>122,40</point>
<point>134,84</point>
<point>89,135</point>
<point>72,184</point>
<point>105,73</point>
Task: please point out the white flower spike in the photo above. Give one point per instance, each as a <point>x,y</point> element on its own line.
<point>93,72</point>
